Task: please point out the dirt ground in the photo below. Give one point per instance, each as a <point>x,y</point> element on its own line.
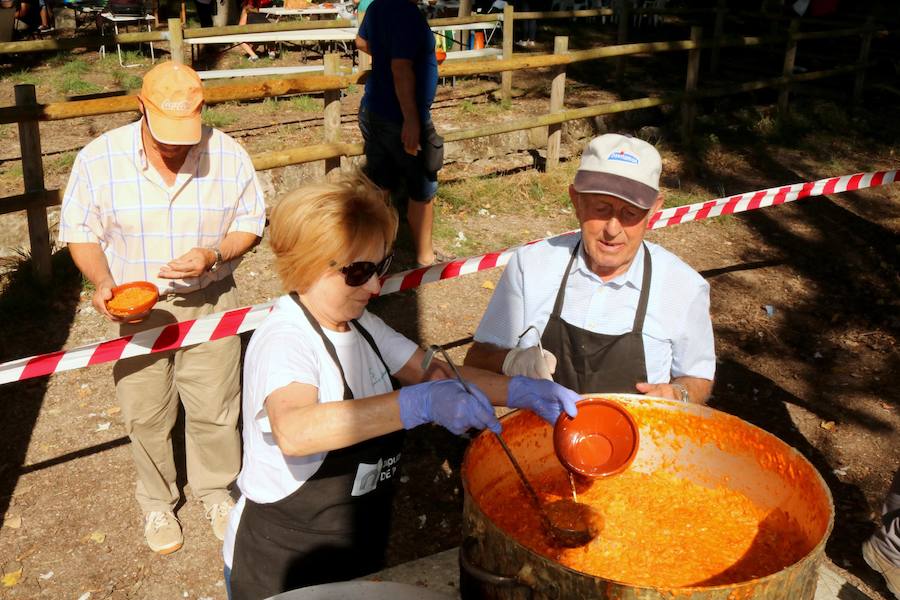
<point>804,305</point>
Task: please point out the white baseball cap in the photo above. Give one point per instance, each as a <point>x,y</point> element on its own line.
<point>621,166</point>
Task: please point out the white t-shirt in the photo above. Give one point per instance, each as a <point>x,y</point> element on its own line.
<point>677,333</point>
<point>286,349</point>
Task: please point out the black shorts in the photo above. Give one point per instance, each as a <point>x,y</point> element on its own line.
<point>389,165</point>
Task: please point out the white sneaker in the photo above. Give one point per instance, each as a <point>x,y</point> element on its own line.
<point>218,517</point>
<point>163,532</point>
<point>878,562</point>
<point>522,43</point>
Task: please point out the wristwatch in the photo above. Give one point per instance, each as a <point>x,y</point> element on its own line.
<point>215,266</point>
<point>682,392</point>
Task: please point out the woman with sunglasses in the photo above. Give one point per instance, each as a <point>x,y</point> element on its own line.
<point>323,409</point>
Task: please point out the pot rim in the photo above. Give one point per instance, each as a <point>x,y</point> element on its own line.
<point>815,554</point>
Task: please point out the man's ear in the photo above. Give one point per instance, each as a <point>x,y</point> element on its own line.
<point>657,204</point>
<point>573,196</point>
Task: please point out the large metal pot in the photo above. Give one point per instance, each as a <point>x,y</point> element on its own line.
<point>717,449</point>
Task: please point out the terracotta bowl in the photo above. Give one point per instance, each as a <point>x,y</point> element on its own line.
<point>135,308</point>
<point>601,440</point>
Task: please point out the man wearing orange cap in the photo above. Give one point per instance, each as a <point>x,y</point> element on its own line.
<point>169,201</point>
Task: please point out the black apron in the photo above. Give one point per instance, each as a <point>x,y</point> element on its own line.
<point>589,362</point>
<point>322,532</point>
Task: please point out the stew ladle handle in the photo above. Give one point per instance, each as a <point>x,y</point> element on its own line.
<point>426,362</point>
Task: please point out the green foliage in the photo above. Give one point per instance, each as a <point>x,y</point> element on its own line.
<point>75,67</point>
<point>11,172</point>
<point>467,107</point>
<point>305,103</point>
<point>59,59</point>
<point>73,85</point>
<point>216,117</point>
<point>64,161</point>
<point>271,105</point>
<point>766,127</point>
<point>24,77</point>
<point>127,81</point>
<point>449,195</point>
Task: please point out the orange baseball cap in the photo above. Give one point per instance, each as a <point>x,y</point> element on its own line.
<point>172,95</point>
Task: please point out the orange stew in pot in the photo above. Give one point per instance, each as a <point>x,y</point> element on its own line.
<point>658,529</point>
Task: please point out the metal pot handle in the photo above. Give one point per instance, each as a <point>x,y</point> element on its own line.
<point>467,565</point>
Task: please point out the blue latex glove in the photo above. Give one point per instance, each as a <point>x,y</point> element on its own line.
<point>545,398</point>
<point>446,403</point>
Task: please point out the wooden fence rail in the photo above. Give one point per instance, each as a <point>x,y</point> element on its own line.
<point>317,152</point>
<point>27,112</point>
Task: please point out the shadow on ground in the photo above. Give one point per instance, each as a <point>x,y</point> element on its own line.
<point>36,319</point>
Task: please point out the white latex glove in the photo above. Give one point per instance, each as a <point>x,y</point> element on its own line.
<point>530,362</point>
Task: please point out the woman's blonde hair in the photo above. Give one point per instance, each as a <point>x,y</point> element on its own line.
<point>328,224</point>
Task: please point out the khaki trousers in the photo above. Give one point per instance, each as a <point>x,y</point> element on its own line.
<point>206,378</point>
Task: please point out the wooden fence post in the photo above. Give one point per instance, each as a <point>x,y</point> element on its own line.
<point>557,101</point>
<point>332,113</point>
<point>718,31</point>
<point>624,16</point>
<point>790,56</point>
<point>176,41</point>
<point>689,105</point>
<point>506,76</point>
<point>33,175</point>
<point>864,48</point>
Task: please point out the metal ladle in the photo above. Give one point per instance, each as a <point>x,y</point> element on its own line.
<point>569,522</point>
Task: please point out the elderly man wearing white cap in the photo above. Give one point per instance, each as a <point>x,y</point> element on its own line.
<point>169,201</point>
<point>604,311</point>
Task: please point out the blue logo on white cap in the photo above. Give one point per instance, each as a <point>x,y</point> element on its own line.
<point>626,157</point>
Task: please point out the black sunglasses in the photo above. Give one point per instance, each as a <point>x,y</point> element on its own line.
<point>358,273</point>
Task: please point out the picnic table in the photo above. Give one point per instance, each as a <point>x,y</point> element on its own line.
<point>339,35</point>
<point>116,21</point>
<point>313,11</point>
<point>86,12</point>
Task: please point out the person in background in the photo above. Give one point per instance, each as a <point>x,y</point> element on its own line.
<point>323,404</point>
<point>46,9</point>
<point>28,17</point>
<point>205,11</point>
<point>250,15</point>
<point>882,550</point>
<point>395,112</point>
<point>528,27</point>
<point>612,312</point>
<point>167,200</point>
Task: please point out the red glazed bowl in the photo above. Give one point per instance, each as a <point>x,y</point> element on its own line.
<point>145,295</point>
<point>601,440</point>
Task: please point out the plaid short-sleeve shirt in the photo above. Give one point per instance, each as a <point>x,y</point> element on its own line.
<point>117,199</point>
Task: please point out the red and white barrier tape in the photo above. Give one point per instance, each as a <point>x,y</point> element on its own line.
<point>219,325</point>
